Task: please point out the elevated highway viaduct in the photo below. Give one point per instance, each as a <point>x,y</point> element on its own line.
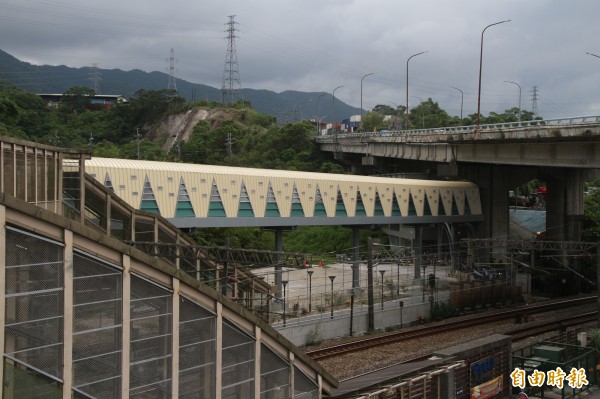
<point>564,153</point>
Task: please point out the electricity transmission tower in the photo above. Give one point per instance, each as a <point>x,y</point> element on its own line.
<point>95,78</point>
<point>534,100</point>
<point>230,90</point>
<point>172,81</point>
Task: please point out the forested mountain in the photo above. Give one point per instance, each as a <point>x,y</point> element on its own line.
<point>287,106</point>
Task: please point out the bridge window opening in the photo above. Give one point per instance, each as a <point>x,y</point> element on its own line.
<point>108,183</point>
<point>245,206</point>
<point>467,208</point>
<point>304,386</point>
<point>215,207</point>
<point>454,207</point>
<point>427,209</point>
<point>121,187</point>
<point>133,177</point>
<point>297,209</point>
<point>340,208</point>
<point>144,230</point>
<point>274,374</point>
<point>202,180</point>
<point>120,222</point>
<point>412,210</point>
<point>149,203</point>
<point>197,344</point>
<point>378,210</point>
<point>360,207</point>
<point>395,207</point>
<point>271,210</point>
<point>135,193</point>
<point>151,339</point>
<point>34,304</point>
<point>159,188</point>
<point>97,326</point>
<point>233,182</point>
<point>319,206</point>
<point>170,179</point>
<point>238,362</point>
<point>184,204</point>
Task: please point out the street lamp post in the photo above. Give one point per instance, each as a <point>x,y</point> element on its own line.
<point>480,67</point>
<point>332,278</point>
<point>361,91</point>
<point>310,273</point>
<point>319,119</point>
<point>382,273</point>
<point>519,86</point>
<point>333,106</point>
<point>284,283</point>
<point>414,55</point>
<point>461,102</point>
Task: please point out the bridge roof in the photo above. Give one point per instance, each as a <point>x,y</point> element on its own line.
<point>220,195</point>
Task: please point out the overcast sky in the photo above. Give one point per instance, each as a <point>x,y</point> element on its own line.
<point>315,46</point>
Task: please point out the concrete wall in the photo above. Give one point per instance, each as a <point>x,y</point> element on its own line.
<point>315,328</point>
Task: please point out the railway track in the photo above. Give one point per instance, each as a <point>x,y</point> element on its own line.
<point>466,322</point>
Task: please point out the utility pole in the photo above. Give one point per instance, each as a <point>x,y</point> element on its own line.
<point>229,144</point>
<point>137,138</point>
<point>230,90</point>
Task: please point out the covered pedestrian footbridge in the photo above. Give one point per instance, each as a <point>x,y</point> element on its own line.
<point>192,195</point>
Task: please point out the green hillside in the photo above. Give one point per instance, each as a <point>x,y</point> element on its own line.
<point>287,106</point>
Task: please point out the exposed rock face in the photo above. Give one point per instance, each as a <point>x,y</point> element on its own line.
<point>179,127</point>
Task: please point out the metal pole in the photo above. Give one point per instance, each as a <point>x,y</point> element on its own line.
<point>351,310</point>
<point>480,67</point>
<point>382,273</point>
<point>319,119</point>
<point>332,278</point>
<point>361,91</point>
<point>284,283</point>
<point>371,312</point>
<point>518,85</point>
<point>414,55</point>
<point>461,102</point>
<point>333,105</point>
<point>310,272</point>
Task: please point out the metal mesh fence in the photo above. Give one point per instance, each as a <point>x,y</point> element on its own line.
<point>151,340</point>
<point>274,375</point>
<point>304,387</point>
<point>238,363</point>
<point>197,348</point>
<point>34,302</point>
<point>97,327</point>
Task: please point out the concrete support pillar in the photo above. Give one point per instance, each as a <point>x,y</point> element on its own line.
<point>564,205</point>
<point>494,184</point>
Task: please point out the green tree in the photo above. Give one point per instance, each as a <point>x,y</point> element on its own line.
<point>372,122</point>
